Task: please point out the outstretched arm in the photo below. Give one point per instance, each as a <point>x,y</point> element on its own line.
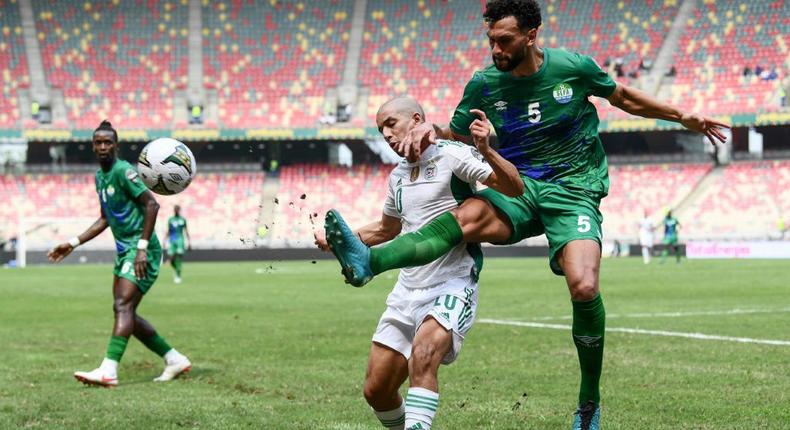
<point>637,102</point>
<point>372,234</point>
<point>151,208</point>
<point>61,251</point>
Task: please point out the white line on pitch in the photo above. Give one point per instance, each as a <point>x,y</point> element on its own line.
<point>677,314</point>
<point>640,331</point>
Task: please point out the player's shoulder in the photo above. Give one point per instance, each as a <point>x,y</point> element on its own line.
<point>482,76</point>
<point>398,170</point>
<point>124,170</point>
<point>456,150</point>
<point>450,147</point>
<point>561,58</point>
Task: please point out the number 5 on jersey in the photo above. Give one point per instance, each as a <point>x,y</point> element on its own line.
<point>584,224</point>
<point>533,110</point>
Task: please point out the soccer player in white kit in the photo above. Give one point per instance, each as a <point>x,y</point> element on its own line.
<point>646,237</point>
<point>431,307</point>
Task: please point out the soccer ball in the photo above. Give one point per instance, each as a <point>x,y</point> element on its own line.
<point>166,166</point>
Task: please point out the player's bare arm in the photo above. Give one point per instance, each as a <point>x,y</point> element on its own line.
<point>61,251</point>
<point>505,177</point>
<point>637,102</point>
<point>148,201</point>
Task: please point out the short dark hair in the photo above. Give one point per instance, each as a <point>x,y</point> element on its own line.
<point>526,12</point>
<point>107,126</point>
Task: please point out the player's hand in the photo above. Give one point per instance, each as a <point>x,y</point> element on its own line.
<point>418,138</point>
<point>320,241</point>
<point>140,262</point>
<point>59,252</point>
<point>481,131</point>
<point>705,125</point>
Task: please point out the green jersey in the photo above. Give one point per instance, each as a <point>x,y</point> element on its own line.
<point>175,228</point>
<point>118,190</point>
<point>545,123</point>
<point>671,227</point>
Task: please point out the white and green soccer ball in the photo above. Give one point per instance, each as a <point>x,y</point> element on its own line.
<point>166,166</point>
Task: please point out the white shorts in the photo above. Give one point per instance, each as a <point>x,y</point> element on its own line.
<point>646,239</point>
<point>453,304</point>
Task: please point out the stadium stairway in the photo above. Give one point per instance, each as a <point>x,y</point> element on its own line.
<point>663,61</point>
<point>683,206</point>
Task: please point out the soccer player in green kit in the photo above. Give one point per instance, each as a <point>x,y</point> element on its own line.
<point>537,100</point>
<point>176,231</point>
<point>671,227</point>
<point>129,209</point>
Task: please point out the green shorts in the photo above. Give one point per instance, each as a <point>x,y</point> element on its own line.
<point>176,247</point>
<point>671,240</point>
<point>561,213</point>
<point>124,268</point>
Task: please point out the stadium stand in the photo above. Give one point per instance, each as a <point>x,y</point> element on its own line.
<point>118,60</point>
<point>221,208</point>
<point>271,62</point>
<point>13,62</point>
<point>358,193</point>
<point>648,187</point>
<point>407,49</point>
<point>721,40</point>
<point>618,35</point>
<point>745,201</point>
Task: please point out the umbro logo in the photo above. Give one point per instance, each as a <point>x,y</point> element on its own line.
<point>501,105</point>
<point>588,340</point>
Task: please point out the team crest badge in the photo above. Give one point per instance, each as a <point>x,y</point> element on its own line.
<point>430,171</point>
<point>415,173</point>
<point>563,93</point>
<point>110,190</point>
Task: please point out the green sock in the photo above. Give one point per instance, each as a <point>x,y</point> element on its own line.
<point>117,347</point>
<point>157,344</point>
<point>177,265</point>
<point>418,248</point>
<point>589,319</point>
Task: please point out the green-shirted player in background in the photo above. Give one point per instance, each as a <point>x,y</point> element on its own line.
<point>129,209</point>
<point>671,227</point>
<point>537,101</point>
<point>177,231</point>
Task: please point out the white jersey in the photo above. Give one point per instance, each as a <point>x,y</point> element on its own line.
<point>445,175</point>
<point>646,232</point>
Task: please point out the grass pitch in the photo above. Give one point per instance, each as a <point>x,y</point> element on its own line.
<point>284,346</point>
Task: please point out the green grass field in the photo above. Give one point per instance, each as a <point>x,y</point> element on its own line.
<point>284,346</point>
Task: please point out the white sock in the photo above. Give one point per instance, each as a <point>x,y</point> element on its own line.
<point>646,254</point>
<point>421,405</point>
<point>110,366</point>
<point>172,356</point>
<point>393,420</point>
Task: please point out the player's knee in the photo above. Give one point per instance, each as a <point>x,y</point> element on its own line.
<point>374,392</point>
<point>472,215</point>
<point>122,306</point>
<point>585,288</point>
